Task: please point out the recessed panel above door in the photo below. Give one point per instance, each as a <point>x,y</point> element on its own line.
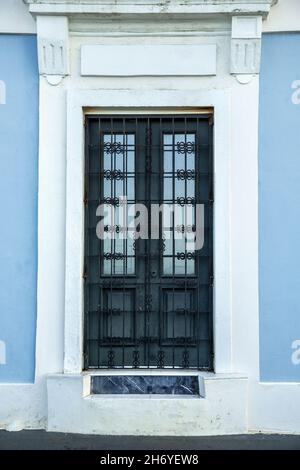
<point>159,60</point>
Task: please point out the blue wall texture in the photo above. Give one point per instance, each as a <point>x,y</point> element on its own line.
<point>18,206</point>
<point>279,208</point>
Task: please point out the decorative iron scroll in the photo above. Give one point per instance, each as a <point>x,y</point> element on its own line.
<point>185,359</point>
<point>185,228</point>
<point>190,201</point>
<point>160,359</point>
<point>115,256</point>
<point>114,147</point>
<point>185,174</point>
<point>136,359</point>
<point>113,201</point>
<point>148,300</point>
<point>113,174</point>
<point>110,358</point>
<point>115,229</point>
<point>185,147</point>
<point>183,255</point>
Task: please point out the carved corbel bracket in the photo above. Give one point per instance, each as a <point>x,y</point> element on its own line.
<point>245,47</point>
<point>53,48</point>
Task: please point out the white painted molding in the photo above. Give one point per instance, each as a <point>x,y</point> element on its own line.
<point>53,33</point>
<point>245,56</point>
<point>246,27</point>
<point>2,92</point>
<point>53,44</point>
<point>2,353</point>
<point>15,18</point>
<point>163,7</point>
<point>284,17</point>
<point>136,60</point>
<point>246,44</point>
<point>154,99</point>
<point>52,57</point>
<point>244,79</point>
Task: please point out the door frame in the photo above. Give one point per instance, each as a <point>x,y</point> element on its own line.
<point>79,103</point>
<point>159,124</point>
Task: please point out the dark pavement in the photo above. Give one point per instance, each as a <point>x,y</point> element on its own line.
<point>42,440</point>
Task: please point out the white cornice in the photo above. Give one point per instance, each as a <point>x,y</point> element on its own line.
<point>56,20</point>
<point>150,7</point>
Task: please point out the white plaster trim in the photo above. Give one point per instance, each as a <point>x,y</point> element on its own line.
<point>77,100</point>
<point>274,407</point>
<point>15,18</point>
<point>246,27</point>
<point>246,44</point>
<point>53,48</point>
<point>222,411</point>
<point>138,60</point>
<point>160,34</point>
<point>164,7</point>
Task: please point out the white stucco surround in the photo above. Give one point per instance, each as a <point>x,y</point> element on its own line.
<point>235,399</point>
<point>77,101</point>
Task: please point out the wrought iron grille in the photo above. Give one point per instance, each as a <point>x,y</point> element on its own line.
<point>148,302</point>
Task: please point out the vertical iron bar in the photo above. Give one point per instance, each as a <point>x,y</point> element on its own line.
<point>101,244</point>
<point>112,242</point>
<point>211,222</point>
<point>197,260</point>
<point>124,270</point>
<point>185,260</point>
<point>87,342</point>
<point>173,237</point>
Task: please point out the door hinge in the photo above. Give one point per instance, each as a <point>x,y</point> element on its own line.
<point>211,281</point>
<point>211,120</point>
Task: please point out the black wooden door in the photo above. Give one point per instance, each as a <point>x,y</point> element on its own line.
<point>148,299</point>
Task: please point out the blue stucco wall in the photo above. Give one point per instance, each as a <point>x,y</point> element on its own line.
<point>18,206</point>
<point>279,208</point>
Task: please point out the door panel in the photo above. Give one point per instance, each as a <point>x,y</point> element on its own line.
<point>148,302</point>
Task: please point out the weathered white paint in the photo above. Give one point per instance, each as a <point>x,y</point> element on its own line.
<point>246,27</point>
<point>135,60</point>
<point>270,406</point>
<point>51,230</point>
<point>274,407</point>
<point>15,18</point>
<point>223,410</point>
<point>23,406</point>
<point>284,16</point>
<point>164,7</point>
